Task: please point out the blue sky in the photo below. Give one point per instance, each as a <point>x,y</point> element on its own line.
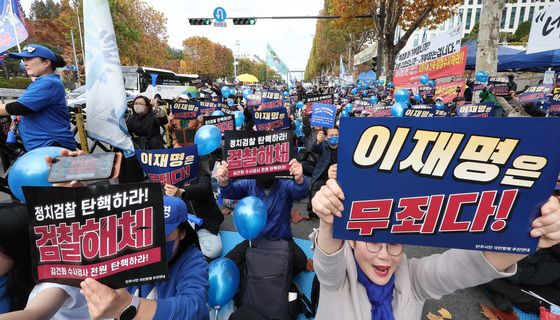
<point>291,39</point>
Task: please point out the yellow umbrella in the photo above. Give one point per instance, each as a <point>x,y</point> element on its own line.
<point>247,78</point>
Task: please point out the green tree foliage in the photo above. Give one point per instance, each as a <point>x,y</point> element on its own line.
<point>41,9</point>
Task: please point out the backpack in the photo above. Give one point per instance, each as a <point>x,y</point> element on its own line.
<point>269,264</point>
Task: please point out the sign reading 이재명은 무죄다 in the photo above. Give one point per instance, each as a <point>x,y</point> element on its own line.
<point>450,182</point>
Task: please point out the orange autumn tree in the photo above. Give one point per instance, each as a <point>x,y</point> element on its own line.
<point>386,15</point>
<point>206,58</point>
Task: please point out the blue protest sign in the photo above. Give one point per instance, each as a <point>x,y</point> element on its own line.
<point>454,182</point>
<point>253,100</point>
<point>220,14</point>
<point>535,93</point>
<point>324,115</point>
<point>185,110</point>
<point>271,119</point>
<point>419,112</point>
<point>500,85</point>
<point>426,91</point>
<point>553,105</point>
<point>207,107</point>
<point>361,105</point>
<point>482,110</point>
<point>271,99</point>
<point>170,166</point>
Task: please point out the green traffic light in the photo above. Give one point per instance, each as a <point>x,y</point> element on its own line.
<point>207,22</point>
<point>252,21</point>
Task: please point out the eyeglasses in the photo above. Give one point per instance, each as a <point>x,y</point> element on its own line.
<point>28,49</point>
<point>392,248</point>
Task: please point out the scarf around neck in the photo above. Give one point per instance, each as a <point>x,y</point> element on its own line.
<point>380,297</point>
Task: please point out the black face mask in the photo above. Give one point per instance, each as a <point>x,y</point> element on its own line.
<point>265,182</point>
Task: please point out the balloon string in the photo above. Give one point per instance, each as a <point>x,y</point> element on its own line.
<point>217,314</point>
<point>250,244</point>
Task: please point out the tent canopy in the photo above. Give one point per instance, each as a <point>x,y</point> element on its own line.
<point>503,52</point>
<point>367,76</point>
<point>536,62</point>
<point>247,78</point>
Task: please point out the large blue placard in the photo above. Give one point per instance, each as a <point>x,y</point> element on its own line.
<point>323,115</point>
<point>450,182</point>
<point>170,166</point>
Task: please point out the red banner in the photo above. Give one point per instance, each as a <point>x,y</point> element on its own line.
<point>450,65</point>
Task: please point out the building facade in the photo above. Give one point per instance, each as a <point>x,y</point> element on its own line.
<point>513,14</point>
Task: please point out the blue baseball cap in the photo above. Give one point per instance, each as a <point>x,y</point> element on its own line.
<point>175,212</point>
<point>32,51</point>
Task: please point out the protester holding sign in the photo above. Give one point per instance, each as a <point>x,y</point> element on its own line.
<point>182,296</point>
<point>145,122</point>
<point>278,195</point>
<point>386,283</point>
<point>327,149</point>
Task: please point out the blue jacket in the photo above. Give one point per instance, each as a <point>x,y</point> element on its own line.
<point>324,152</point>
<point>278,203</point>
<point>185,293</point>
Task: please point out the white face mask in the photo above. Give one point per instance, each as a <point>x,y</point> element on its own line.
<point>140,109</point>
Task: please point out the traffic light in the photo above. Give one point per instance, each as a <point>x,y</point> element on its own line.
<point>200,22</point>
<point>244,21</point>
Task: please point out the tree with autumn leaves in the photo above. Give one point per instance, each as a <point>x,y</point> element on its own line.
<point>206,58</point>
<point>140,30</point>
<point>386,17</point>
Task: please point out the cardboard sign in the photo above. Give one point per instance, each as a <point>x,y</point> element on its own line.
<point>271,99</point>
<point>112,233</point>
<point>482,110</point>
<point>535,93</point>
<point>250,153</point>
<point>185,110</point>
<point>553,105</point>
<point>253,100</point>
<point>207,107</point>
<point>324,115</point>
<point>500,85</point>
<point>310,99</point>
<point>223,123</point>
<point>271,119</point>
<point>454,182</point>
<point>419,113</point>
<point>170,166</point>
<point>426,91</point>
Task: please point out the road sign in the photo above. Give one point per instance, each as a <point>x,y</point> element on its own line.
<point>219,14</point>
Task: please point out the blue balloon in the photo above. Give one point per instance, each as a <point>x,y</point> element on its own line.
<point>223,277</point>
<point>401,95</point>
<point>249,217</point>
<point>481,76</point>
<point>230,102</point>
<point>226,92</point>
<point>424,79</point>
<point>348,108</point>
<point>431,83</point>
<point>299,104</point>
<point>31,170</point>
<point>218,113</point>
<point>290,87</point>
<point>381,82</point>
<point>286,94</point>
<point>344,114</point>
<point>440,105</point>
<point>390,85</point>
<point>417,97</point>
<point>373,100</point>
<point>239,118</point>
<point>207,139</point>
<point>355,90</point>
<point>365,94</point>
<point>246,92</point>
<point>397,110</point>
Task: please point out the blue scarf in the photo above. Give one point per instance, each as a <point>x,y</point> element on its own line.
<point>380,297</point>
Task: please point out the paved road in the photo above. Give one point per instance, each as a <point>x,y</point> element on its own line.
<point>463,305</point>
